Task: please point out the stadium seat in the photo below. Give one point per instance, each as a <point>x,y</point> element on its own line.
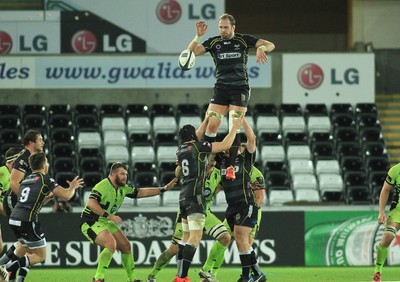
<point>270,138</point>
<point>33,109</point>
<point>342,120</point>
<point>301,166</point>
<point>164,124</point>
<point>345,134</point>
<point>293,124</point>
<point>60,109</point>
<point>327,166</point>
<point>89,140</point>
<point>267,124</point>
<point>193,120</point>
<point>275,166</point>
<point>348,149</point>
<point>370,134</point>
<point>140,139</point>
<point>90,164</point>
<point>353,163</point>
<point>187,110</point>
<point>137,110</point>
<point>315,110</point>
<point>34,121</point>
<point>362,108</point>
<point>116,154</point>
<point>145,179</point>
<point>60,121</point>
<point>60,150</point>
<point>162,110</point>
<point>10,135</point>
<point>166,139</point>
<point>111,110</point>
<point>113,123</point>
<point>166,154</point>
<point>307,195</point>
<point>114,137</point>
<point>10,110</point>
<point>377,164</point>
<point>264,110</point>
<point>87,122</point>
<point>323,151</point>
<point>318,124</point>
<point>341,108</point>
<point>277,180</point>
<point>139,124</point>
<point>295,138</point>
<point>62,164</point>
<point>304,181</point>
<point>319,137</point>
<point>272,153</point>
<point>374,149</point>
<point>58,135</point>
<point>142,154</point>
<point>330,186</point>
<point>91,178</point>
<point>10,121</point>
<point>280,197</point>
<point>368,120</point>
<point>358,195</point>
<point>86,109</point>
<point>293,109</point>
<point>298,152</point>
<point>165,177</point>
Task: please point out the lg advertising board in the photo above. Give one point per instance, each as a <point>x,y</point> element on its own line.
<point>328,78</point>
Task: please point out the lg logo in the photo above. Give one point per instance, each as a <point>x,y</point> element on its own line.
<point>311,76</point>
<point>5,42</point>
<point>170,11</point>
<point>84,42</point>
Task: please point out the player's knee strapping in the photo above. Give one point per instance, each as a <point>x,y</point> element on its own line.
<point>216,115</point>
<point>196,221</point>
<point>235,114</point>
<point>390,230</point>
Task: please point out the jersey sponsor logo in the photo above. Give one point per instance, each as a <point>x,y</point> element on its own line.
<point>227,42</point>
<point>233,55</point>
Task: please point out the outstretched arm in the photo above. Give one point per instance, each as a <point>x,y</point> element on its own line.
<point>262,47</point>
<point>251,137</point>
<point>228,140</point>
<point>195,44</point>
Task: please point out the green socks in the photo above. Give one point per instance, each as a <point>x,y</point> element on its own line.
<point>104,261</point>
<point>381,254</point>
<point>162,261</point>
<point>215,257</point>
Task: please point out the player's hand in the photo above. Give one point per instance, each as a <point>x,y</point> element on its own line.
<point>171,184</point>
<point>237,121</point>
<point>255,185</point>
<point>114,218</point>
<point>382,218</point>
<point>261,57</point>
<point>201,28</point>
<point>75,183</point>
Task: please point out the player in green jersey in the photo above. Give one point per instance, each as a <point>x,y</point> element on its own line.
<point>99,219</point>
<point>5,173</point>
<point>392,221</point>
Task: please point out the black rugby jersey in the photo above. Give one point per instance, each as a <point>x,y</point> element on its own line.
<point>238,191</point>
<point>192,158</point>
<point>230,58</point>
<point>32,193</point>
<point>21,164</point>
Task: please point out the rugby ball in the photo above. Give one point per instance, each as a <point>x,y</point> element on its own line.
<point>187,60</point>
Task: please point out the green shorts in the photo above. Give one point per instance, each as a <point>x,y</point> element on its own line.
<point>91,229</point>
<point>394,216</point>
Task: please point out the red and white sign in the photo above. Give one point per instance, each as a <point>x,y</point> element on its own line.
<point>328,78</point>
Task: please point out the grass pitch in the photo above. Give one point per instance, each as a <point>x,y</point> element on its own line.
<point>226,274</point>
